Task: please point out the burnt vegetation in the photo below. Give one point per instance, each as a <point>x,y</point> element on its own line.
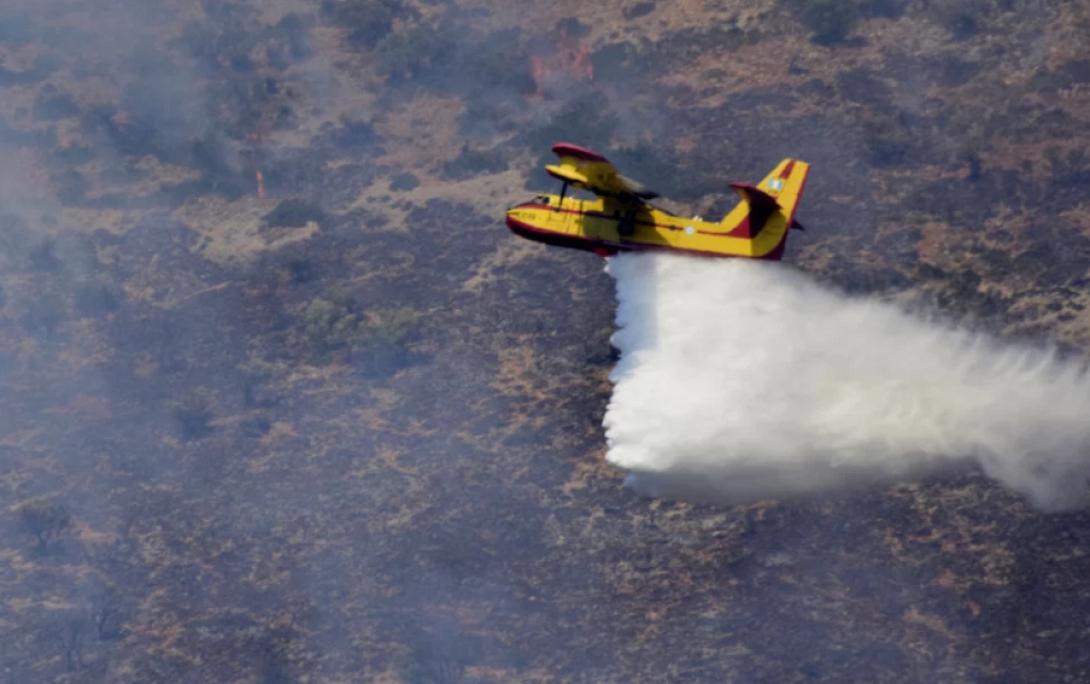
<point>237,450</point>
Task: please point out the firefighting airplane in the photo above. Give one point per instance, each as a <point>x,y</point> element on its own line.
<point>622,218</point>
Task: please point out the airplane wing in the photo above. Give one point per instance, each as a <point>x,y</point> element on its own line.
<point>582,167</point>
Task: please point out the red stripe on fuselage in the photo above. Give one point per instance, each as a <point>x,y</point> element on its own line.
<point>616,219</point>
<point>549,237</point>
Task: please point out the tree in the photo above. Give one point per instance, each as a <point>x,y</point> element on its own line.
<point>46,521</point>
<point>68,629</point>
<point>106,614</point>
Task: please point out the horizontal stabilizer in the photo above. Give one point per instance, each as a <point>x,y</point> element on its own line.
<point>756,197</point>
<point>761,206</point>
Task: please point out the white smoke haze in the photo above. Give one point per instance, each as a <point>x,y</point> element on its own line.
<point>741,380</point>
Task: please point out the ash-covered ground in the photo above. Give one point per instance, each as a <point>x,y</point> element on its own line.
<point>281,400</point>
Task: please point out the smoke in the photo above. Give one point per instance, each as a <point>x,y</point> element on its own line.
<point>742,380</point>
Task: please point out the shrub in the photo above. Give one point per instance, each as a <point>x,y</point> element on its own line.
<point>890,9</point>
<point>71,186</point>
<point>356,135</point>
<point>194,419</point>
<point>382,350</point>
<point>583,121</point>
<point>640,9</point>
<point>294,213</point>
<point>571,26</point>
<point>375,341</point>
<point>208,153</point>
<point>960,17</point>
<point>44,316</point>
<point>45,520</point>
<point>830,20</point>
<point>293,31</point>
<point>16,29</point>
<point>406,53</point>
<point>43,256</point>
<point>95,299</point>
<point>302,271</point>
<point>51,104</point>
<point>368,21</point>
<point>329,325</point>
<point>404,182</point>
<point>472,163</point>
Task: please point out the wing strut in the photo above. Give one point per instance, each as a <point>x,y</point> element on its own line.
<point>563,192</point>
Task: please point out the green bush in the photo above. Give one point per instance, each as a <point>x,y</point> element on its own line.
<point>373,341</point>
<point>329,325</point>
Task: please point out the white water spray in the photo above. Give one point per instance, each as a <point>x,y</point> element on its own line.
<point>741,380</point>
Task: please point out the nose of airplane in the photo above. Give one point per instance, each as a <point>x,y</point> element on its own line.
<point>516,218</point>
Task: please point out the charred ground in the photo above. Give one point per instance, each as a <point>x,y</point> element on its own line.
<point>280,400</point>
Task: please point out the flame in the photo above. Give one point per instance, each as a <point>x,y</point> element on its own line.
<point>260,177</point>
<point>570,61</point>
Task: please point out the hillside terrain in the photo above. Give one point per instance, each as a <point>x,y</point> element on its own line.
<point>281,399</point>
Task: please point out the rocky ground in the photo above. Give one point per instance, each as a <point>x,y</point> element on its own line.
<point>281,399</point>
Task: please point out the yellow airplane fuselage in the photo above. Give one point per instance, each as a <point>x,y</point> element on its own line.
<point>607,225</point>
